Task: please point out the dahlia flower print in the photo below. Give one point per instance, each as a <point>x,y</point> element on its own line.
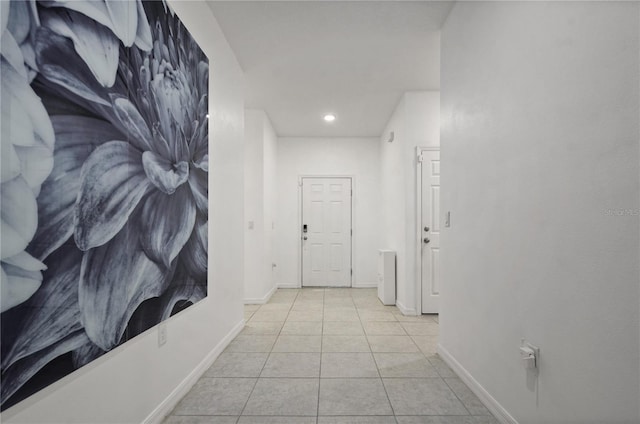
<point>27,139</point>
<point>104,181</point>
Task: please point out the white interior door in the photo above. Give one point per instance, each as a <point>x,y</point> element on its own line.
<point>326,232</point>
<point>430,231</point>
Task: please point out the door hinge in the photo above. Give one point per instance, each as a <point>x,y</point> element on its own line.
<point>351,271</point>
<point>351,232</point>
<point>420,158</point>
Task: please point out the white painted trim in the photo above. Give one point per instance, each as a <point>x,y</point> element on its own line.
<point>501,414</point>
<point>261,300</point>
<point>418,264</point>
<point>288,285</point>
<point>166,406</point>
<point>353,217</point>
<point>405,311</point>
<point>365,285</point>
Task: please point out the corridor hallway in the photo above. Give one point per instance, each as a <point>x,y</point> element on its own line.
<point>318,355</point>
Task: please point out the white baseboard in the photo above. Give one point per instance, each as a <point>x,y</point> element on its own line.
<point>166,406</point>
<point>355,285</point>
<point>365,285</point>
<point>406,311</point>
<point>261,300</point>
<point>489,401</point>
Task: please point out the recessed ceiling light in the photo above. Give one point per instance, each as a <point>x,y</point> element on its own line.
<point>329,117</point>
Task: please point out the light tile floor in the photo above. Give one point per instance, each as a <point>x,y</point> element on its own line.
<point>331,356</point>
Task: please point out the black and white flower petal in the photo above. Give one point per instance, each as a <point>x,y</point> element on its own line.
<point>115,279</point>
<point>17,285</point>
<point>18,374</point>
<point>126,19</point>
<point>94,43</point>
<point>199,189</point>
<point>19,218</point>
<point>165,175</point>
<point>133,123</point>
<point>36,164</point>
<point>167,222</point>
<point>55,312</point>
<point>194,254</point>
<point>18,91</point>
<point>77,136</point>
<point>58,61</point>
<point>113,183</point>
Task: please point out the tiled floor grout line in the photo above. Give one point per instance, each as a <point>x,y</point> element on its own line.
<point>456,395</point>
<point>393,412</point>
<point>266,360</point>
<point>365,307</point>
<point>252,389</point>
<point>324,293</point>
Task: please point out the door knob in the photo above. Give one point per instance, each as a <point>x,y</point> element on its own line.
<point>304,238</point>
<point>426,229</point>
<point>426,240</point>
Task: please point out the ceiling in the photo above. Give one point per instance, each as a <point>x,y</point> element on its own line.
<point>303,59</point>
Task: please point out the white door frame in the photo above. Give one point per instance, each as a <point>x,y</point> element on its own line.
<point>418,282</point>
<point>353,214</point>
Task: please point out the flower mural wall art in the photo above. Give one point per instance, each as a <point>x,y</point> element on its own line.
<point>104,192</point>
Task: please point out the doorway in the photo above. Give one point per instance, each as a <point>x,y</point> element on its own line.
<point>326,233</point>
<point>429,227</point>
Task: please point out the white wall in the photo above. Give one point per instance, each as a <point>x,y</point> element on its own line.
<point>415,122</point>
<point>270,181</point>
<point>127,384</point>
<point>357,157</point>
<point>253,205</point>
<point>540,138</point>
<point>260,205</point>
